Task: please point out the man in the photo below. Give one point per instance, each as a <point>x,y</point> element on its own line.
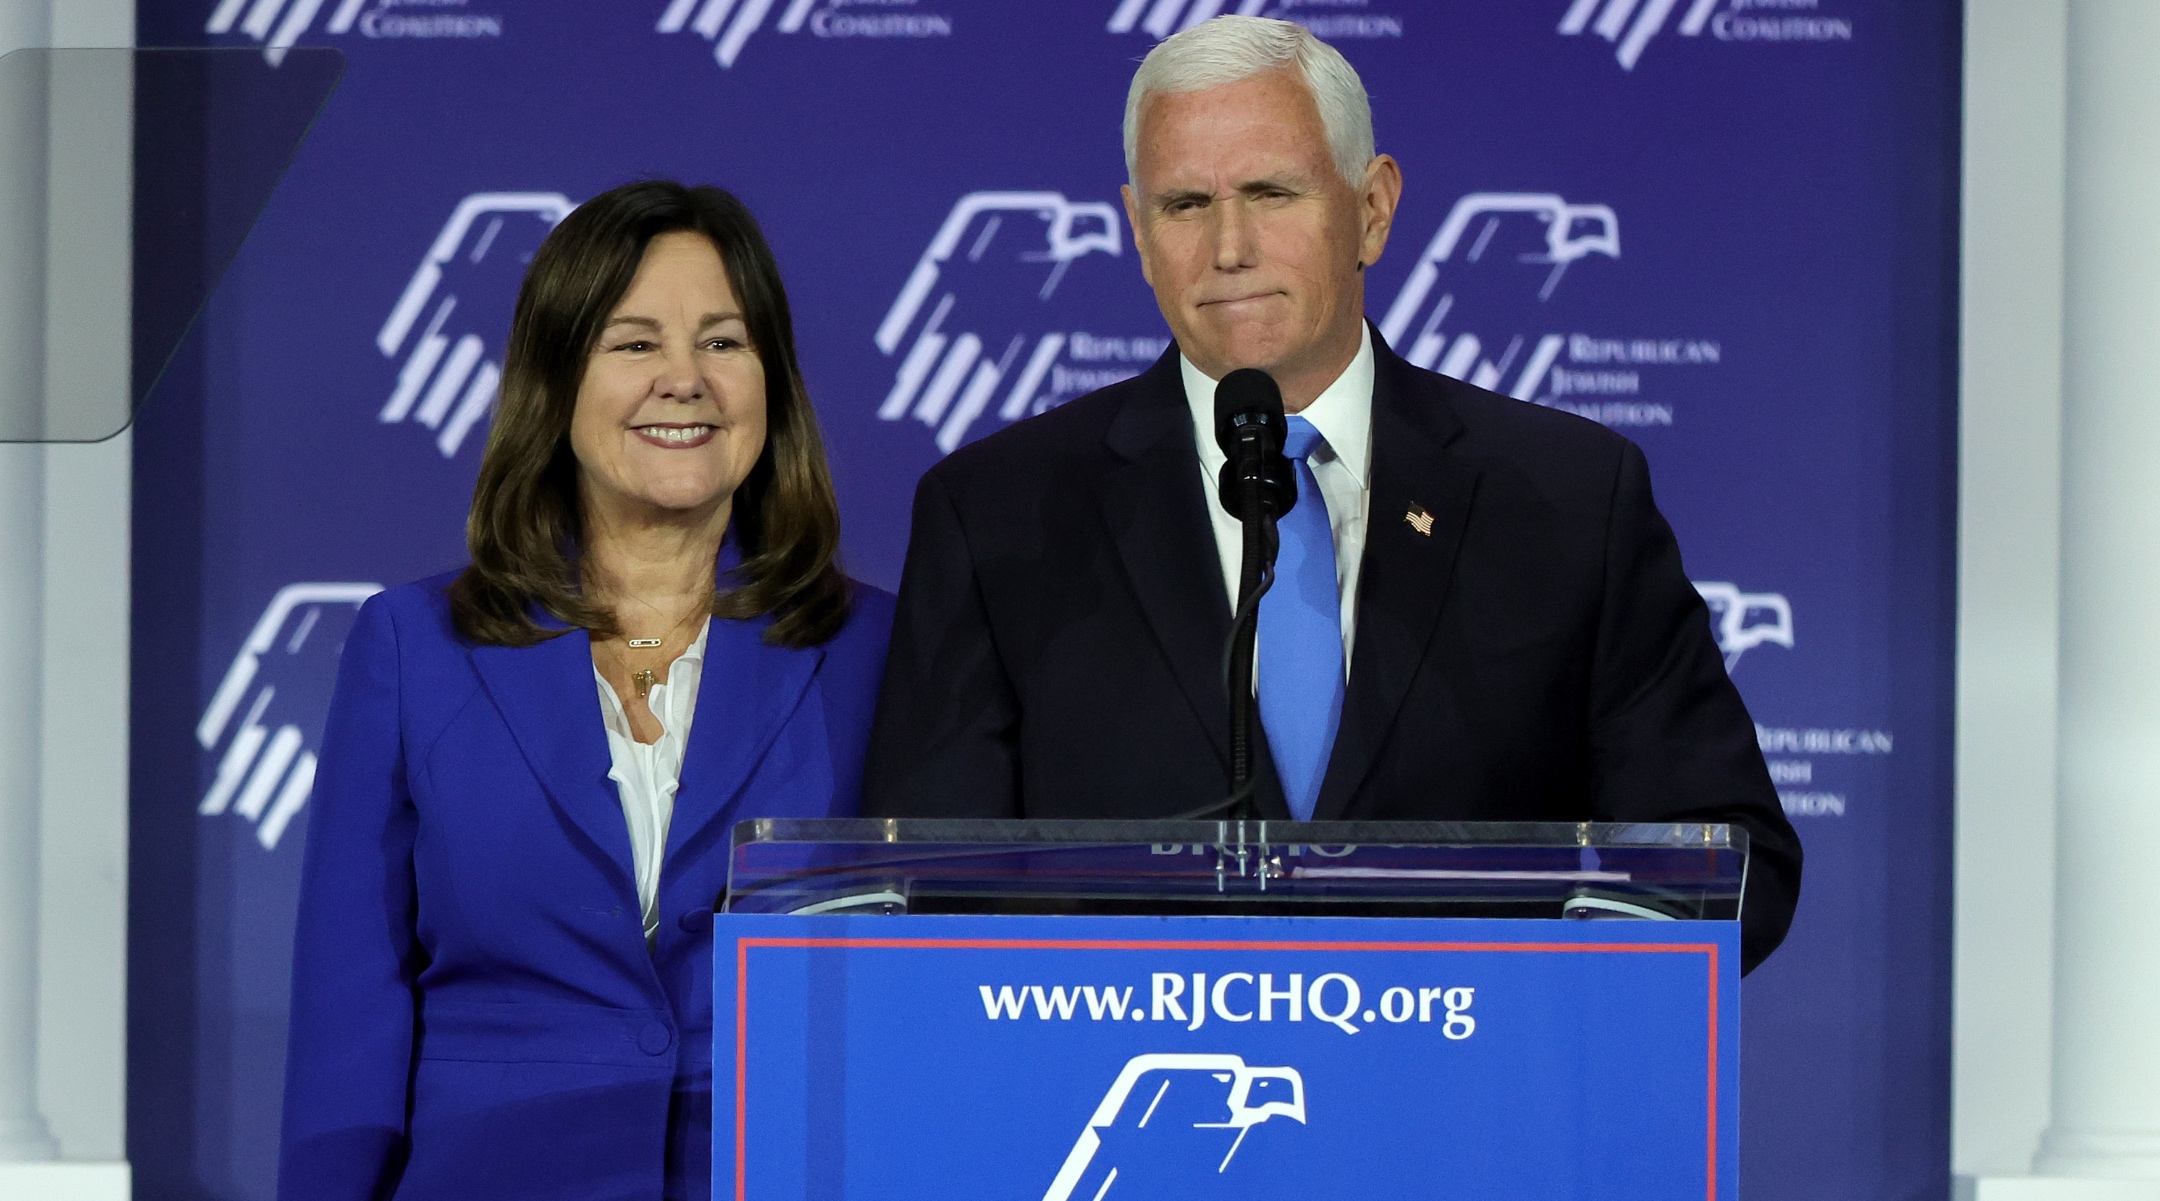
<point>1520,639</point>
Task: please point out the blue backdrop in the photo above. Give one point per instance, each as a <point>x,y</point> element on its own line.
<point>1724,227</point>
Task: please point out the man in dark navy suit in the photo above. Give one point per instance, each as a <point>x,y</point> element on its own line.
<point>1478,614</point>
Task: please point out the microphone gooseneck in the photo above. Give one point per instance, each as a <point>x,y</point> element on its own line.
<point>1257,485</point>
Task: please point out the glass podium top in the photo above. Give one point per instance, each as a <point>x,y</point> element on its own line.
<point>1346,869</point>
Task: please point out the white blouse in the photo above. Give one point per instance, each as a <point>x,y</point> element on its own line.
<point>647,775</point>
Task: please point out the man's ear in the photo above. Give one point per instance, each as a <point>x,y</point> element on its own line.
<point>1132,219</point>
<point>1377,201</point>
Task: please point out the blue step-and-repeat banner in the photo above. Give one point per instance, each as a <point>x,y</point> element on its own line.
<point>1724,228</point>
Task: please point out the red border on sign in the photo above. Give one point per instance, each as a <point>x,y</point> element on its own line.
<point>742,990</point>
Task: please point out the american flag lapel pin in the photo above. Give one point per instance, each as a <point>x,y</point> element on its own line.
<point>1419,520</point>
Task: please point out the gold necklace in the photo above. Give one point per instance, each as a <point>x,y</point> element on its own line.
<point>646,679</point>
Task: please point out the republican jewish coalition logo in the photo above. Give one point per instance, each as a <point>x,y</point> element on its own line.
<point>1331,19</point>
<point>1171,1125</point>
<point>1746,620</point>
<point>1567,233</point>
<point>272,701</point>
<point>1631,24</point>
<point>1165,17</point>
<point>986,321</point>
<point>729,24</point>
<point>1484,303</point>
<point>456,306</point>
<point>278,25</point>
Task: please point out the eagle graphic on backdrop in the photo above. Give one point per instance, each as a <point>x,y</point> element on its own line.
<point>271,703</point>
<point>979,316</point>
<point>449,322</point>
<point>1745,620</point>
<point>1171,1126</point>
<point>1494,250</point>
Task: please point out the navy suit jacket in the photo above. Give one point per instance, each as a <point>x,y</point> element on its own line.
<point>475,1011</point>
<point>1529,649</point>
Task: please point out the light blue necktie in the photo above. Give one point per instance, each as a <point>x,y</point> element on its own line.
<point>1301,649</point>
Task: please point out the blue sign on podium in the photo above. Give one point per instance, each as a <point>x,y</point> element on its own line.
<point>1127,1058</point>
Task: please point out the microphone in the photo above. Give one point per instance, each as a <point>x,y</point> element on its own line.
<point>1249,426</point>
<point>1257,486</point>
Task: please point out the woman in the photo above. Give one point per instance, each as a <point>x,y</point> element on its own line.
<point>502,984</point>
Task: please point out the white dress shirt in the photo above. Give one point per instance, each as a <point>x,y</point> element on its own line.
<point>646,775</point>
<point>1343,415</point>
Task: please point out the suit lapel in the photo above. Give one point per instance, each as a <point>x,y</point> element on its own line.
<point>1157,515</point>
<point>748,692</point>
<point>549,698</point>
<point>1403,581</point>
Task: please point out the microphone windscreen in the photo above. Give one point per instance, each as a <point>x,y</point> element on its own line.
<point>1243,396</point>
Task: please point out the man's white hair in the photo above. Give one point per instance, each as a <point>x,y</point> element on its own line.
<point>1228,49</point>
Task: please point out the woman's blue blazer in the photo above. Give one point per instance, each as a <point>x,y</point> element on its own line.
<point>475,1011</point>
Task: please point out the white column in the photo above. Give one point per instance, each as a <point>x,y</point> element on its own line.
<point>22,492</point>
<point>63,582</point>
<point>2106,1112</point>
<point>23,1135</point>
<point>82,899</point>
<point>2009,535</point>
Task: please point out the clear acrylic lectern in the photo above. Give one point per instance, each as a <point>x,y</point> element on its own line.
<point>1342,869</point>
<point>1131,1011</point>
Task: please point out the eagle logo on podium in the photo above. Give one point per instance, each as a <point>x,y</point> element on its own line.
<point>1171,1126</point>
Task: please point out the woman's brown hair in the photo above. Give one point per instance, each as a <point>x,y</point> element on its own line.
<point>525,532</point>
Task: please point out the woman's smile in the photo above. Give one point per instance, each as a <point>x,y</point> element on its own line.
<point>675,437</point>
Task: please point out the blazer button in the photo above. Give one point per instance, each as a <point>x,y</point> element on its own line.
<point>654,1039</point>
<point>696,921</point>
